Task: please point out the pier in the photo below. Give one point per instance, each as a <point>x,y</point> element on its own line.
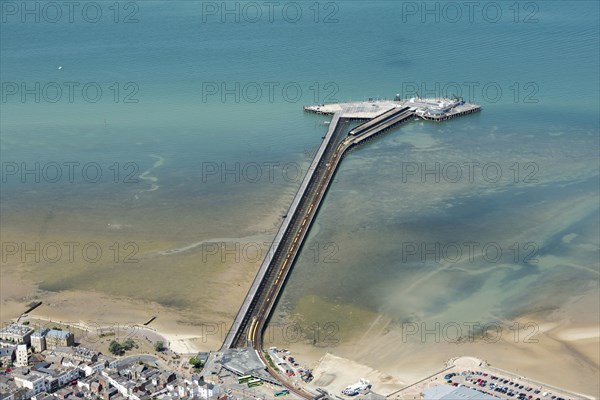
<point>246,331</point>
<point>274,269</point>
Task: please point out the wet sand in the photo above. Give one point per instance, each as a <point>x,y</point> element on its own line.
<point>567,342</point>
<point>371,292</point>
<point>180,274</point>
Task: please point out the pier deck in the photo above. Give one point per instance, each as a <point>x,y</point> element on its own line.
<point>429,109</point>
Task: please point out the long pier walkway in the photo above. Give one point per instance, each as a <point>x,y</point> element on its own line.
<point>273,270</point>
<point>247,328</point>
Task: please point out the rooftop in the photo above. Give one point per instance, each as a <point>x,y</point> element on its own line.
<point>7,351</point>
<point>40,332</point>
<point>15,329</point>
<point>245,362</point>
<point>447,392</point>
<point>31,377</point>
<point>58,334</point>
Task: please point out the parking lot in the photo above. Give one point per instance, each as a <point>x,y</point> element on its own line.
<point>500,386</point>
<point>476,374</point>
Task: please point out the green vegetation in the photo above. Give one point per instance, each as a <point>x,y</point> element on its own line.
<point>270,361</point>
<point>115,348</point>
<point>196,362</point>
<point>129,344</point>
<point>159,346</point>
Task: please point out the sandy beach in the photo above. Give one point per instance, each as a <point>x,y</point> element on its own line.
<point>384,356</point>
<point>569,353</point>
<point>193,285</point>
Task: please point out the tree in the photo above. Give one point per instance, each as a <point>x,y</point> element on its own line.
<point>159,346</point>
<point>128,344</point>
<point>196,362</point>
<point>115,348</point>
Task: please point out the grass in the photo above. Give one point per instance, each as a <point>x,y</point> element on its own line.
<point>270,361</point>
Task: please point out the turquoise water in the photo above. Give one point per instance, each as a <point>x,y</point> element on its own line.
<point>547,115</point>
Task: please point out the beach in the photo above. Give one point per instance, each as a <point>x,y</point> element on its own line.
<point>194,290</point>
<point>569,352</point>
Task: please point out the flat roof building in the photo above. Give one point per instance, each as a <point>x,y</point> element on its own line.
<point>16,334</point>
<point>38,339</point>
<point>21,356</point>
<point>56,338</point>
<point>447,392</point>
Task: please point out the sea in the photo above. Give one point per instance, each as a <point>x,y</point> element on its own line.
<point>169,123</point>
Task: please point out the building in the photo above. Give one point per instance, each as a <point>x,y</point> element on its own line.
<point>162,379</point>
<point>21,356</point>
<point>111,361</point>
<point>35,383</point>
<point>207,390</point>
<point>58,377</point>
<point>7,355</point>
<point>16,334</point>
<point>47,381</point>
<point>91,369</point>
<point>122,384</point>
<point>203,356</point>
<point>38,339</point>
<point>74,355</point>
<point>193,388</point>
<point>55,338</point>
<point>447,392</point>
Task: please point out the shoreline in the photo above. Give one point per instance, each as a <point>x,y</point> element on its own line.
<point>388,361</point>
<point>568,336</point>
<point>173,341</point>
<point>199,325</point>
<point>569,350</point>
<point>334,372</point>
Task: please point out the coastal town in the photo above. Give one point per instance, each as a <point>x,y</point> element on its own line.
<point>50,362</point>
